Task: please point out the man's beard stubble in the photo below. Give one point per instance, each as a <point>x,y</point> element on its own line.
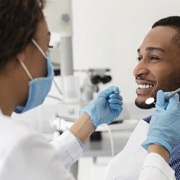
<point>143,105</point>
<point>171,84</point>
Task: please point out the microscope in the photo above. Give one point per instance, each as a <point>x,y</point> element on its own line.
<point>95,77</point>
<point>92,81</point>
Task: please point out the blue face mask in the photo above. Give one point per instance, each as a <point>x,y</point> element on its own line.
<point>38,87</point>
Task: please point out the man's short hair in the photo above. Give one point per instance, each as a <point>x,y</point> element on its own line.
<point>171,21</point>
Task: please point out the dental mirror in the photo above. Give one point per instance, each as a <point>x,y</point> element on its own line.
<point>172,93</point>
<point>150,100</point>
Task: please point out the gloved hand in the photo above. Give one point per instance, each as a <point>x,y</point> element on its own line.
<point>105,107</point>
<point>164,128</point>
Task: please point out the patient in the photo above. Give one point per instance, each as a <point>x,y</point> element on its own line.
<point>158,68</point>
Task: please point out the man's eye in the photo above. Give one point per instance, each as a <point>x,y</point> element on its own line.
<point>154,58</point>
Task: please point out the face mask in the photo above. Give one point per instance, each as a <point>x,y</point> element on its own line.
<point>38,87</point>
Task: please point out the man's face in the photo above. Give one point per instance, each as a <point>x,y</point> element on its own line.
<point>158,65</point>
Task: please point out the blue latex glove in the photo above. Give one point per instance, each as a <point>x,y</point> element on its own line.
<point>105,107</point>
<point>164,126</point>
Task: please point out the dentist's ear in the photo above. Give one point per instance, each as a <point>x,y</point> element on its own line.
<point>27,53</point>
<point>21,56</point>
<point>24,67</point>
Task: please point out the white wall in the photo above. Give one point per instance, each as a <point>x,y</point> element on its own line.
<point>107,33</point>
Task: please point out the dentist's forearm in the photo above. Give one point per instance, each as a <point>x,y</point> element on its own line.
<point>162,151</point>
<point>82,127</point>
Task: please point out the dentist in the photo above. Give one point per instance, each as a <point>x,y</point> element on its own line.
<point>26,75</point>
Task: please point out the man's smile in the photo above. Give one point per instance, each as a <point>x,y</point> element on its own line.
<point>144,87</point>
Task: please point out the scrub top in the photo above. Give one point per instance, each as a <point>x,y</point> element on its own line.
<point>27,155</point>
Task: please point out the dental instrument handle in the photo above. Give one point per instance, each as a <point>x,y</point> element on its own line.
<point>168,96</point>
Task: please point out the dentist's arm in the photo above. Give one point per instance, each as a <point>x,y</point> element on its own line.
<point>83,127</point>
<point>159,149</point>
<point>165,123</point>
<point>103,109</point>
<point>162,136</point>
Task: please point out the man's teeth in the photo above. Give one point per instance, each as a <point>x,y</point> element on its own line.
<point>144,86</point>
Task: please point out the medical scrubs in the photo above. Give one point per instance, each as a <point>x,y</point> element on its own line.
<point>25,154</point>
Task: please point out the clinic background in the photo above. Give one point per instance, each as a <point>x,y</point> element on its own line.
<point>107,34</point>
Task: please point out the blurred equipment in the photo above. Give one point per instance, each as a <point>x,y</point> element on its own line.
<point>91,83</point>
<point>59,17</point>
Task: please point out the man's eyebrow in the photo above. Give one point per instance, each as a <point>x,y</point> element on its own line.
<point>152,49</point>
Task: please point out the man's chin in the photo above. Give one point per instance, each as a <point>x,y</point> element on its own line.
<point>143,105</point>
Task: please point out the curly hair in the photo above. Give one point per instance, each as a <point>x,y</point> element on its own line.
<point>18,25</point>
<point>171,21</point>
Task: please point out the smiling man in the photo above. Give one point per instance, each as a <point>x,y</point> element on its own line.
<point>159,63</point>
<point>158,68</point>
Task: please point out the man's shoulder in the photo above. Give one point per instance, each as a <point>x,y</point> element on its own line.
<point>147,119</point>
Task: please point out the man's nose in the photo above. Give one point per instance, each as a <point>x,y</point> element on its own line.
<point>141,69</point>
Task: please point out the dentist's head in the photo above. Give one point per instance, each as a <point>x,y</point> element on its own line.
<point>25,69</point>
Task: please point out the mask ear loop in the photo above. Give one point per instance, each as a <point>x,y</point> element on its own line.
<point>22,63</point>
<point>25,68</point>
<point>36,44</point>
